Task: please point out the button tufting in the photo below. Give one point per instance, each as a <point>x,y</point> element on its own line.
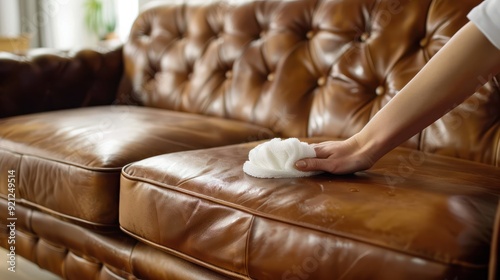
<point>310,34</point>
<point>380,90</point>
<point>364,37</point>
<point>424,42</point>
<point>262,34</point>
<point>270,77</point>
<point>229,74</point>
<point>321,81</point>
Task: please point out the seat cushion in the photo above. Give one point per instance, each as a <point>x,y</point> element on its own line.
<point>412,216</point>
<point>69,162</point>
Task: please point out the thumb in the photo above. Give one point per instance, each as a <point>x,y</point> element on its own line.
<point>310,164</point>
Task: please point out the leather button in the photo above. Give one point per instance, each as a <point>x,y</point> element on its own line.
<point>229,74</point>
<point>270,77</point>
<point>380,90</point>
<point>424,42</point>
<point>262,34</point>
<point>364,37</point>
<point>322,81</point>
<point>310,34</point>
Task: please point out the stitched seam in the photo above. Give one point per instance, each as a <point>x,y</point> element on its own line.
<point>89,168</point>
<point>247,247</point>
<point>130,259</point>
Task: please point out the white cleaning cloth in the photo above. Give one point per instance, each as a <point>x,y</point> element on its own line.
<point>276,159</point>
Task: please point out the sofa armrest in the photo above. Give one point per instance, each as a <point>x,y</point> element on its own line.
<point>54,80</point>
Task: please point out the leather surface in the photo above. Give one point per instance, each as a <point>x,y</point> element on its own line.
<point>408,212</point>
<point>69,162</point>
<point>494,272</point>
<point>45,80</point>
<point>306,67</point>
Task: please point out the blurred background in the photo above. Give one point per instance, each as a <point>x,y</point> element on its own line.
<point>65,24</point>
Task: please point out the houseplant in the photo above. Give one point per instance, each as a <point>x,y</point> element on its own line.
<point>100,18</point>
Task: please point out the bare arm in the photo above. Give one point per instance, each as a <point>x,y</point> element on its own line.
<point>444,82</point>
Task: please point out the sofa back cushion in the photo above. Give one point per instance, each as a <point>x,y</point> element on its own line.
<point>304,67</point>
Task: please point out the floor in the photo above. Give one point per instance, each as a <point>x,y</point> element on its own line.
<point>25,270</point>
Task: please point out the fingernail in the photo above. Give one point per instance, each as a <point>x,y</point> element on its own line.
<point>300,164</point>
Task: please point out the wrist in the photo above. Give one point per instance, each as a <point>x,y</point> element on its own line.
<point>371,146</point>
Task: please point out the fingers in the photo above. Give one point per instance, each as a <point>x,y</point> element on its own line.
<point>334,166</point>
<point>337,157</point>
<point>325,149</point>
<point>313,164</point>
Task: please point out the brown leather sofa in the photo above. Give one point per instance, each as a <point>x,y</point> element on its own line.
<point>127,164</point>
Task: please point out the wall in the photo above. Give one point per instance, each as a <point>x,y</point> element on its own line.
<point>59,24</point>
<point>63,25</point>
<point>10,26</point>
<point>66,21</point>
<point>127,11</point>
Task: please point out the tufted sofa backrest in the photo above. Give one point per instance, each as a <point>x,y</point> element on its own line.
<point>305,67</point>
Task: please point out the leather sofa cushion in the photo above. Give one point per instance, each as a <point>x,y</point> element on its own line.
<point>411,210</point>
<point>68,162</point>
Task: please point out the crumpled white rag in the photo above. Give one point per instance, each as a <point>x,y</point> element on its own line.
<point>276,159</point>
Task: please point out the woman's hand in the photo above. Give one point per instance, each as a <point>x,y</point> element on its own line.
<point>445,81</point>
<point>337,157</point>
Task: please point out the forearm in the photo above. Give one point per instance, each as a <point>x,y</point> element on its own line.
<point>447,80</point>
